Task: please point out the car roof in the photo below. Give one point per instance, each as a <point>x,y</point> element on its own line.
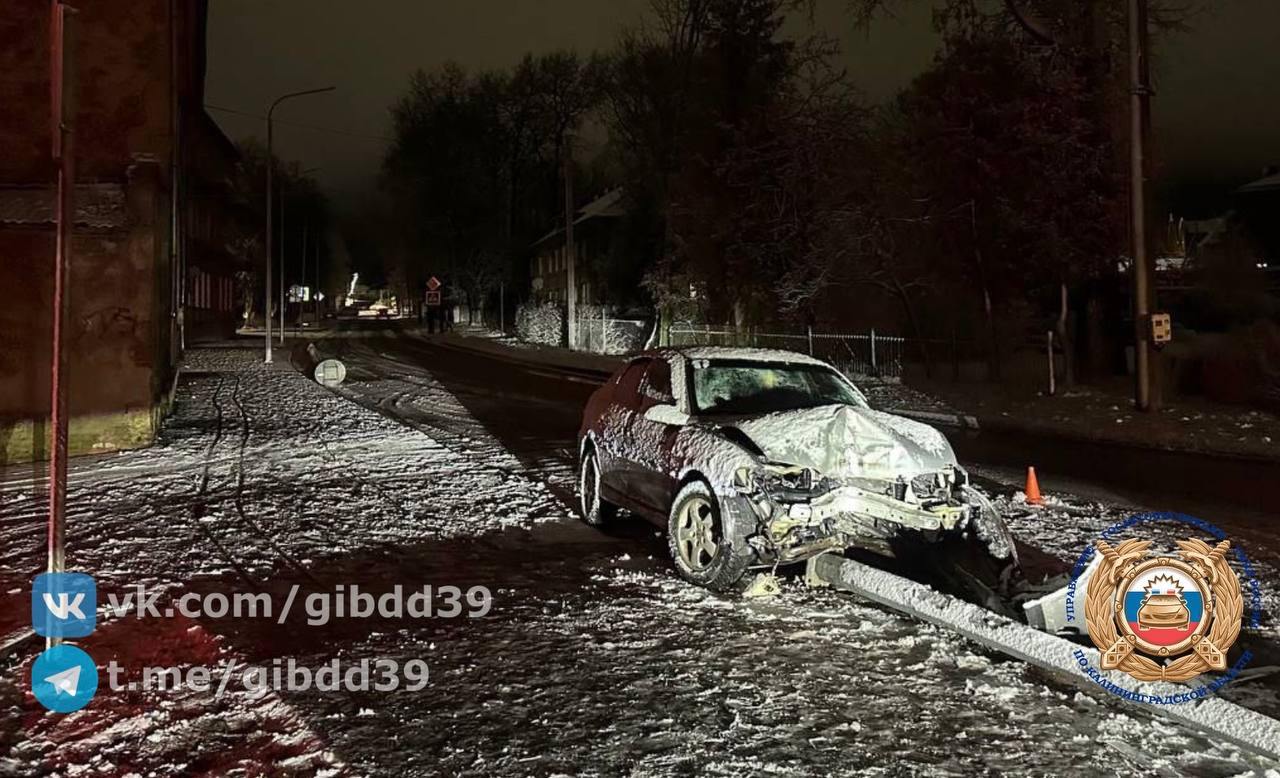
<point>764,355</point>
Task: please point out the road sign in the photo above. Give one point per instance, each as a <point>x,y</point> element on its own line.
<point>433,298</point>
<point>1161,328</point>
<point>433,284</point>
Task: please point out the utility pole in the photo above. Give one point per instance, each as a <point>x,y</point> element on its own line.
<point>63,93</point>
<point>283,191</point>
<point>571,254</point>
<point>177,254</point>
<point>302,266</point>
<point>315,294</point>
<point>281,261</point>
<point>1139,94</point>
<point>266,297</point>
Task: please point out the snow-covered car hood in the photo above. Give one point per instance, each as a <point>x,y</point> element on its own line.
<point>843,441</point>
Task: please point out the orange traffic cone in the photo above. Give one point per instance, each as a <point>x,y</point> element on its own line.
<point>1033,488</point>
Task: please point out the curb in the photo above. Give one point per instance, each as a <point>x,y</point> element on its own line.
<point>1224,456</point>
<point>961,420</point>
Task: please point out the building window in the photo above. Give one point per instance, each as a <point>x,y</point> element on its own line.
<point>210,292</point>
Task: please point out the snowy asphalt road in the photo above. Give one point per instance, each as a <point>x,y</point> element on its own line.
<point>533,417</point>
<point>447,468</point>
<point>534,414</point>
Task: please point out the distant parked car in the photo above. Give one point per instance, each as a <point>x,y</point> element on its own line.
<point>751,458</point>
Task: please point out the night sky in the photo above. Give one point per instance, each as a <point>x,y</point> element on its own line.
<point>1217,110</point>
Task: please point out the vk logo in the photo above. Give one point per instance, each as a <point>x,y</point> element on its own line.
<point>64,678</point>
<point>63,609</point>
<point>64,605</point>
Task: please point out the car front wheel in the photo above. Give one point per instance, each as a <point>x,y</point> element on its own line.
<point>703,546</point>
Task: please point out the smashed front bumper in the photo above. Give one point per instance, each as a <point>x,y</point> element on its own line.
<point>799,514</point>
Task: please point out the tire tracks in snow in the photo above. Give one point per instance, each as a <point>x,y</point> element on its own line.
<point>239,490</point>
<point>456,430</point>
<point>388,496</point>
<point>199,505</point>
<point>268,552</point>
<point>394,407</point>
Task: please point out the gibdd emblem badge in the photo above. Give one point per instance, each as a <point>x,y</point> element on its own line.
<point>1184,612</point>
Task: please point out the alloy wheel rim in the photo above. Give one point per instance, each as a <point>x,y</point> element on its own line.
<point>695,534</point>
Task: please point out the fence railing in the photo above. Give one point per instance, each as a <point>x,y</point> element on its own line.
<point>867,354</point>
<point>600,333</point>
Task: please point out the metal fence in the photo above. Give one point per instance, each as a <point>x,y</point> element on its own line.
<point>601,333</point>
<point>854,354</point>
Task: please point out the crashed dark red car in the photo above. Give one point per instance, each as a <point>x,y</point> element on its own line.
<point>759,458</point>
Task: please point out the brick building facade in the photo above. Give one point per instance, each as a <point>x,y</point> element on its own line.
<point>141,136</point>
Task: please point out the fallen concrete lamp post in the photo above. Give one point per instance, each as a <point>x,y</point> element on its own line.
<point>326,371</point>
<point>1213,715</point>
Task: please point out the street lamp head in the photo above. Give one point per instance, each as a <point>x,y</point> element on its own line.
<point>284,97</point>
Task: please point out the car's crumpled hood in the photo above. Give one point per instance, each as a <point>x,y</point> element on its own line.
<point>844,441</point>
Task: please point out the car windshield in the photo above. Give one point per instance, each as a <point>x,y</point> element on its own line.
<point>763,387</point>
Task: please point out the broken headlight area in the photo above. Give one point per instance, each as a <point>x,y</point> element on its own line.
<point>800,513</point>
<point>945,486</point>
<point>779,482</point>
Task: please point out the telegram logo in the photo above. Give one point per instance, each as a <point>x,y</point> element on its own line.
<point>64,679</point>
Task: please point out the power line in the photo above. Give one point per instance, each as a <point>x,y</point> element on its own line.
<point>300,125</point>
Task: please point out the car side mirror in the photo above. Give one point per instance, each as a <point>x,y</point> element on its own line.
<point>657,396</point>
<point>667,414</point>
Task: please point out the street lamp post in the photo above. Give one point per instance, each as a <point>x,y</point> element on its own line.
<point>266,298</point>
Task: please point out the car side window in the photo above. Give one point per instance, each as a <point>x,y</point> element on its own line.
<point>655,387</point>
<point>627,391</point>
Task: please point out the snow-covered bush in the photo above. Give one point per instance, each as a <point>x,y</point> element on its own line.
<point>543,323</point>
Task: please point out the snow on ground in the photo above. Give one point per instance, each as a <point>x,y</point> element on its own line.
<point>1068,523</point>
<point>1106,413</point>
<point>402,389</point>
<point>260,474</point>
<point>595,660</point>
<point>261,469</point>
<point>181,732</point>
<point>889,396</point>
<point>407,393</point>
<point>633,671</point>
<point>496,336</point>
<point>1065,525</point>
